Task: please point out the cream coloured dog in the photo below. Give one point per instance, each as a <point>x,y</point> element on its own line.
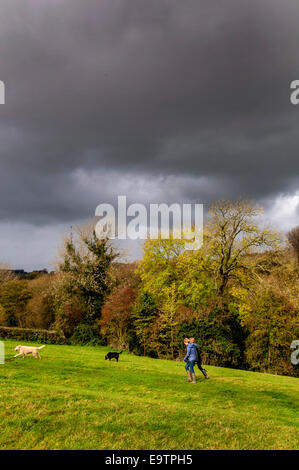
<point>24,350</point>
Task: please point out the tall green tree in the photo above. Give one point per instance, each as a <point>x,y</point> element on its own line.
<point>145,312</point>
<point>87,260</point>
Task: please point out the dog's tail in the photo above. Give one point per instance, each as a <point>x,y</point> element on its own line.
<point>120,352</point>
<point>41,347</point>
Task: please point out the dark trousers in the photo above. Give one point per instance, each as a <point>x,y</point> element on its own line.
<point>201,368</point>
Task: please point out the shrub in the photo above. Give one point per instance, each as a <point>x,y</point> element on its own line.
<point>86,334</point>
<point>30,334</point>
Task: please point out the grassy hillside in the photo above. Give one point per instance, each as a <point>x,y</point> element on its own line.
<point>74,399</point>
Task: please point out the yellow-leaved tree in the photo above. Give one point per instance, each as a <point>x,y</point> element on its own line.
<point>233,232</point>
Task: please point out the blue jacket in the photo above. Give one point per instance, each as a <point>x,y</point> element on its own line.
<point>191,353</point>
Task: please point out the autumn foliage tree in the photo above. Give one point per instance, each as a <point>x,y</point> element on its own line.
<point>6,274</point>
<point>272,322</point>
<point>40,308</point>
<point>117,318</point>
<point>231,234</point>
<point>14,296</point>
<point>293,238</point>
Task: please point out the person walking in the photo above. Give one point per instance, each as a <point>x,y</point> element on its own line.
<point>198,361</point>
<point>190,359</point>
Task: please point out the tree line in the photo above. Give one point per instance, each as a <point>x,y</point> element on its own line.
<point>238,295</point>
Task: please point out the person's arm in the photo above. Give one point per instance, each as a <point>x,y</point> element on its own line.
<point>188,354</point>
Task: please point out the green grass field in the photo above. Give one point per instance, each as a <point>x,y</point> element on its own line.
<point>74,399</point>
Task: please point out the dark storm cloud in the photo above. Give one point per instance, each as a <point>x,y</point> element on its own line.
<point>191,98</point>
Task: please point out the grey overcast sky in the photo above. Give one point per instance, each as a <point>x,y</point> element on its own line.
<point>160,100</point>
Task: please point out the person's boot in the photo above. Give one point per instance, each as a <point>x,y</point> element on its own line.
<point>205,373</point>
<point>193,379</point>
<point>189,378</point>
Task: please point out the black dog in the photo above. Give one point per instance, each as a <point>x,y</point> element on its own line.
<point>112,355</point>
